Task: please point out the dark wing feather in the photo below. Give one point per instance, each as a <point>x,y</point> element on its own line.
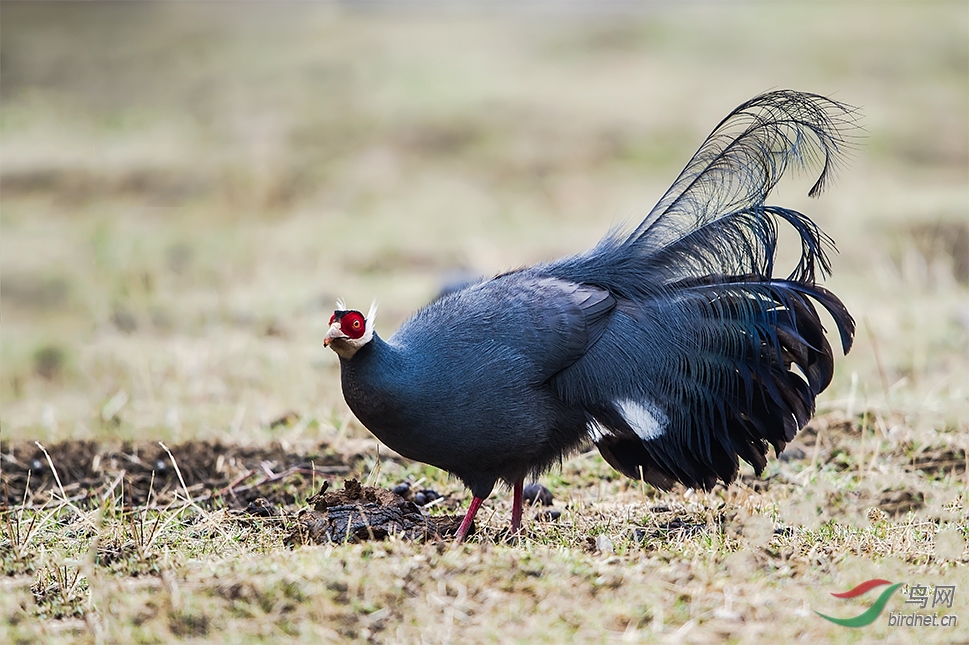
<point>550,323</point>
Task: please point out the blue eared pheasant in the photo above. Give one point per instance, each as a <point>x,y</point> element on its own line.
<point>674,348</point>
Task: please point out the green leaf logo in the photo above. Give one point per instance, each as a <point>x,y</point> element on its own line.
<point>868,616</point>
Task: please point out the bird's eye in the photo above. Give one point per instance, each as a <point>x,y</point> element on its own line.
<point>356,324</point>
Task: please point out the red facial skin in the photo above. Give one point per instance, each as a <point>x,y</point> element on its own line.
<point>352,323</point>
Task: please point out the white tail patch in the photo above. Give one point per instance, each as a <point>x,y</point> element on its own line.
<point>596,431</point>
<point>646,420</point>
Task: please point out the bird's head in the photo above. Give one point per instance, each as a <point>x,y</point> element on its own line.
<point>349,330</point>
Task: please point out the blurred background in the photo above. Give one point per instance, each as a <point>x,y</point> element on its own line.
<point>185,189</point>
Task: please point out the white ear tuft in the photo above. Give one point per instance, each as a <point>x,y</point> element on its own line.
<point>372,313</point>
<point>340,305</point>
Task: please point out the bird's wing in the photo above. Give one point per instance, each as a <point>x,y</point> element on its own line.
<point>576,320</point>
<point>547,322</point>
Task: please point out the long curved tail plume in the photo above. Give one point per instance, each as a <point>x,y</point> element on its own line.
<point>714,219</point>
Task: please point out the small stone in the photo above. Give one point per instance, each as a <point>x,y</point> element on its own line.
<point>124,320</point>
<point>420,499</point>
<point>536,493</point>
<point>548,515</point>
<point>792,453</point>
<point>402,489</point>
<point>261,507</point>
<point>949,544</point>
<point>604,544</point>
<point>726,614</point>
<point>429,496</point>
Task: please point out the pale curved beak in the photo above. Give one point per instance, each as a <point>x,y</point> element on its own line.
<point>332,333</point>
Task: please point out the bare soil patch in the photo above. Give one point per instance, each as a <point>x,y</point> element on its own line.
<point>213,473</point>
<point>267,483</point>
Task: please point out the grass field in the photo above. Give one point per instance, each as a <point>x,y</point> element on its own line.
<point>185,190</point>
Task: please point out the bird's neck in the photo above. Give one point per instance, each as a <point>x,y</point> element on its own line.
<point>378,387</point>
<point>375,354</point>
<point>375,370</point>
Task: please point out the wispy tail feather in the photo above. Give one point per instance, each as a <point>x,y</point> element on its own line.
<point>749,151</point>
<point>714,220</point>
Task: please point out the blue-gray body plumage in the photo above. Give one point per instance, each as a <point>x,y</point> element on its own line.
<point>673,348</point>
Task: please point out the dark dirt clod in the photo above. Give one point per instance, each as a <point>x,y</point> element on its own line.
<point>536,493</point>
<point>548,515</point>
<point>426,496</point>
<point>359,513</point>
<point>354,493</point>
<point>261,507</point>
<point>899,502</point>
<point>421,497</point>
<point>756,483</point>
<point>940,462</point>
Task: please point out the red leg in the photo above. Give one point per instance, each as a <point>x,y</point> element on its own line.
<point>516,507</point>
<point>466,522</point>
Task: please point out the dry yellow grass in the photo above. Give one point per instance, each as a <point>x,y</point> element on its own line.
<point>187,189</point>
